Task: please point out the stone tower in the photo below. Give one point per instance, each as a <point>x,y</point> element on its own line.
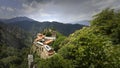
<point>30,61</point>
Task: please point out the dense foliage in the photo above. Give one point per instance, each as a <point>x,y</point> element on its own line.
<point>56,61</point>
<point>96,46</point>
<point>108,23</point>
<point>14,36</point>
<point>59,38</point>
<point>14,47</point>
<point>89,50</point>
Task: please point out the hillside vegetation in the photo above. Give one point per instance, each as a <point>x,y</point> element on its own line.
<point>14,46</point>
<point>96,46</point>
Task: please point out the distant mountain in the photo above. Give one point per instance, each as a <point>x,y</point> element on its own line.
<point>16,19</point>
<point>84,22</point>
<point>34,27</point>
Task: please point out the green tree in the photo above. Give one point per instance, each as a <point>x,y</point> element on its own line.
<point>108,23</point>
<point>56,61</point>
<point>59,39</point>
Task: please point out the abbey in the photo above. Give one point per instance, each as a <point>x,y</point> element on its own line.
<point>41,45</point>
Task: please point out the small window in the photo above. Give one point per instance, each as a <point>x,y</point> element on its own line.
<point>41,49</point>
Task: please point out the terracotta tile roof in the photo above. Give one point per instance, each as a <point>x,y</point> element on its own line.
<point>48,42</point>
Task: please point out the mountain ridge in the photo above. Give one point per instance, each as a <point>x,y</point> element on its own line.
<point>34,27</point>
<point>15,19</point>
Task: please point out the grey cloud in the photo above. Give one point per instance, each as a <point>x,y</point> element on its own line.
<point>39,1</point>
<point>70,10</point>
<point>61,10</point>
<point>69,1</point>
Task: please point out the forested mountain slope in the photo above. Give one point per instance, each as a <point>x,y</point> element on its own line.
<point>14,36</point>
<point>14,46</point>
<point>96,46</point>
<point>34,27</point>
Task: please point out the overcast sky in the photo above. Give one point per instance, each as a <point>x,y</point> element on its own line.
<point>55,10</point>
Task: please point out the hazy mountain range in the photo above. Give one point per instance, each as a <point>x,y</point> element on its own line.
<point>34,27</point>
<point>84,22</point>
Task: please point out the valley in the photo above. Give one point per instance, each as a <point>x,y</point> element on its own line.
<point>27,43</point>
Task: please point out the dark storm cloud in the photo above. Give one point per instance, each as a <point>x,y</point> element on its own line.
<point>72,10</point>
<point>69,1</point>
<point>59,10</point>
<point>72,2</point>
<point>39,1</point>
